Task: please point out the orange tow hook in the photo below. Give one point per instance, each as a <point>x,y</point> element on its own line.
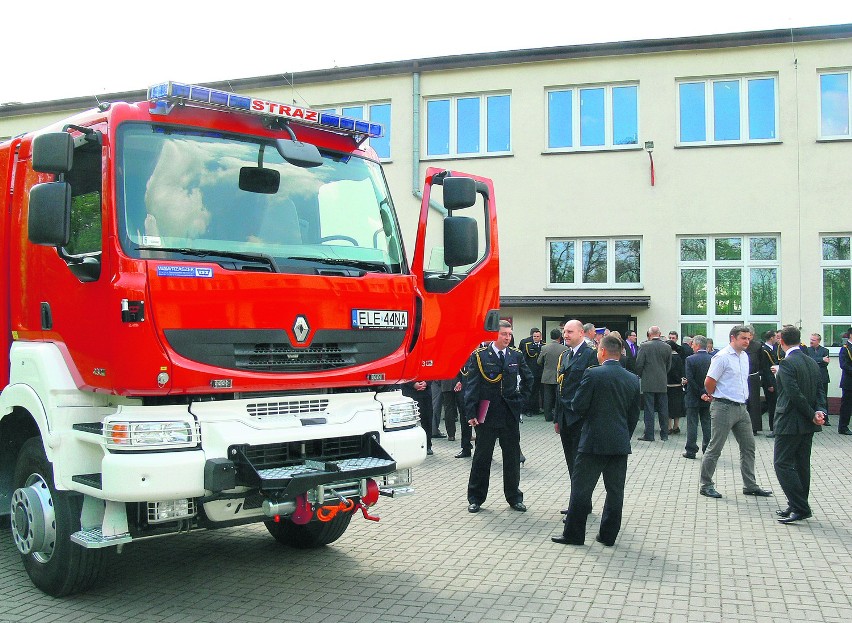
<point>327,513</point>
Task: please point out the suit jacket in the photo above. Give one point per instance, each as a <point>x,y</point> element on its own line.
<point>817,355</point>
<point>570,373</point>
<point>608,402</point>
<point>652,365</point>
<point>530,350</point>
<point>448,385</point>
<point>548,359</point>
<point>630,356</point>
<point>697,366</point>
<point>845,360</point>
<point>485,379</point>
<point>800,395</point>
<point>767,360</point>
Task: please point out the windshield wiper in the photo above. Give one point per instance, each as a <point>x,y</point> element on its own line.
<point>375,267</point>
<point>234,255</point>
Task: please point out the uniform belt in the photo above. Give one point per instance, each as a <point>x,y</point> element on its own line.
<point>730,402</point>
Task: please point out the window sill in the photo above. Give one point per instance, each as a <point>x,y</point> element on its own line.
<point>591,150</point>
<point>465,157</point>
<point>594,286</point>
<point>731,144</point>
<point>834,139</point>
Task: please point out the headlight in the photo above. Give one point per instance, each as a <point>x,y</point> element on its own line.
<point>149,435</point>
<point>401,415</point>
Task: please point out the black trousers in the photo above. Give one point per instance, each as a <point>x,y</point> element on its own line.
<point>845,409</point>
<point>534,403</point>
<point>570,436</point>
<point>451,411</point>
<point>771,400</point>
<point>588,469</point>
<point>754,410</point>
<point>793,469</point>
<point>548,393</point>
<point>509,435</point>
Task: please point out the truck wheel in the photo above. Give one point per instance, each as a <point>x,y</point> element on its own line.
<point>309,535</point>
<point>42,521</point>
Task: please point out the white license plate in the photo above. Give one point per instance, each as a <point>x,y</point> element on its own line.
<point>379,319</point>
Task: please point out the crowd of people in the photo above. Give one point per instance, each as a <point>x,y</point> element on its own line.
<point>591,383</point>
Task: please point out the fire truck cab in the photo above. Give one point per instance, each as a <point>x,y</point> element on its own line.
<point>208,311</point>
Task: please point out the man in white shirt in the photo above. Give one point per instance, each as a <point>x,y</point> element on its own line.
<point>727,383</point>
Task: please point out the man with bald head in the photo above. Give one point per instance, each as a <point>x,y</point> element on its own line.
<point>569,372</point>
<point>652,366</point>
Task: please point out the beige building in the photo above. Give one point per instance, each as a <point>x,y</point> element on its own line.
<point>692,183</point>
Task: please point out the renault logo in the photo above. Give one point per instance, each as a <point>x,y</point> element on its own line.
<point>301,328</point>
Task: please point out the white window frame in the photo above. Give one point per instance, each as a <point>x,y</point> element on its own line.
<point>575,118</point>
<point>337,109</point>
<point>833,137</point>
<point>610,283</point>
<point>823,263</point>
<point>745,264</point>
<point>483,126</point>
<point>709,125</point>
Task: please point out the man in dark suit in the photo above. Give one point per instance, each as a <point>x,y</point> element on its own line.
<point>530,348</point>
<point>607,402</point>
<point>844,358</point>
<point>800,413</point>
<point>498,374</point>
<point>652,366</point>
<point>630,350</point>
<point>821,357</point>
<point>572,364</point>
<point>548,360</point>
<point>697,399</point>
<point>768,367</point>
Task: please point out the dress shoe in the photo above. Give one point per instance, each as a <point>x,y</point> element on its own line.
<point>794,516</point>
<point>518,506</point>
<point>564,541</point>
<point>676,431</point>
<point>429,452</point>
<point>599,539</point>
<point>761,493</point>
<point>564,511</point>
<point>451,438</point>
<point>770,435</point>
<point>473,508</point>
<point>710,492</point>
<point>438,435</point>
<point>643,439</point>
<point>464,454</point>
<point>845,432</point>
<point>687,455</point>
<point>523,460</point>
<point>785,513</point>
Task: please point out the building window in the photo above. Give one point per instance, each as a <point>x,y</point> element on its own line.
<point>729,278</point>
<point>593,117</point>
<point>834,105</point>
<point>836,287</point>
<point>375,113</point>
<point>595,263</point>
<point>728,110</point>
<point>470,125</point>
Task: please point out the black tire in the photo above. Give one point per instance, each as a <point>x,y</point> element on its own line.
<point>310,535</point>
<point>68,568</point>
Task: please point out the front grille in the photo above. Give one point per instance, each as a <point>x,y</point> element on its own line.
<point>281,454</point>
<point>264,410</point>
<point>270,350</point>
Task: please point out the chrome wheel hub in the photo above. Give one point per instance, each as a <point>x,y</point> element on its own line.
<point>34,519</point>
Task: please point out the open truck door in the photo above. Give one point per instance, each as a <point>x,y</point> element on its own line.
<point>456,261</point>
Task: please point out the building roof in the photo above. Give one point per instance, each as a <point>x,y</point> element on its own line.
<point>575,301</point>
<point>462,61</point>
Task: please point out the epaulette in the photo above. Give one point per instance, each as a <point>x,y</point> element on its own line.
<point>514,349</point>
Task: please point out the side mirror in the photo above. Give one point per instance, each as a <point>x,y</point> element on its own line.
<point>302,155</point>
<point>49,221</point>
<point>459,192</point>
<point>260,180</point>
<point>53,152</point>
<point>461,237</point>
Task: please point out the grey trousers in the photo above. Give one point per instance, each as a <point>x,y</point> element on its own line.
<point>726,418</point>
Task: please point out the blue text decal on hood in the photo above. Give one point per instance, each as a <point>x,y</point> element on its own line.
<point>184,271</point>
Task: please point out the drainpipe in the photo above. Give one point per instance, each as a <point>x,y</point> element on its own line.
<point>415,151</point>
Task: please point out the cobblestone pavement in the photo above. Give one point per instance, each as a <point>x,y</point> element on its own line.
<point>679,557</point>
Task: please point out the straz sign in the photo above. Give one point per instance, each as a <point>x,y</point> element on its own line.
<point>283,110</point>
<point>379,319</point>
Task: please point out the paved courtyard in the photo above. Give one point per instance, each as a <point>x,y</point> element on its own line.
<point>679,557</point>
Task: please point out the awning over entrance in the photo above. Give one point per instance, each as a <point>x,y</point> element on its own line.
<point>575,301</point>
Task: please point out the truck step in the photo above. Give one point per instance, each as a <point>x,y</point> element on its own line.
<point>343,468</point>
<point>94,538</point>
<point>90,480</point>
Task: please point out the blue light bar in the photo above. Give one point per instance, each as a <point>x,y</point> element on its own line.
<point>162,95</point>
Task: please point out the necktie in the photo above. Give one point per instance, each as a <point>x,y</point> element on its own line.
<point>502,359</point>
<point>570,354</point>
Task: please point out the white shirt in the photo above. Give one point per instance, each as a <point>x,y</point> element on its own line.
<point>730,369</point>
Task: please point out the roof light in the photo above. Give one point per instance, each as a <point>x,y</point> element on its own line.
<point>164,96</point>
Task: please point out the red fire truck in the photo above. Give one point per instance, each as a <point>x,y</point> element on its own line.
<point>208,312</point>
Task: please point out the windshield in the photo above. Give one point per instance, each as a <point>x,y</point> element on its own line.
<point>206,196</point>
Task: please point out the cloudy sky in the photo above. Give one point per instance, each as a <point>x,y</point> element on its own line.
<point>56,49</point>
